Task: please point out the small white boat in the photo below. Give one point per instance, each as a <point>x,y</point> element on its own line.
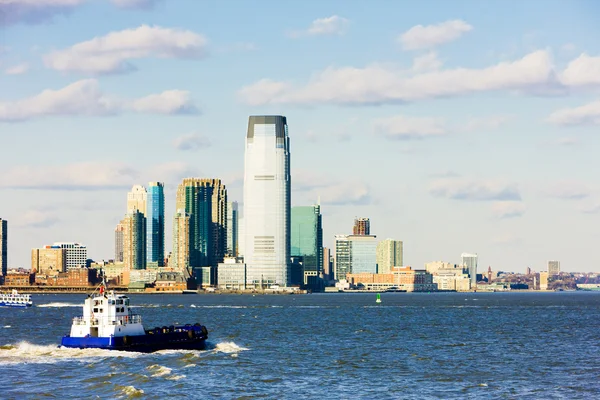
<point>14,299</point>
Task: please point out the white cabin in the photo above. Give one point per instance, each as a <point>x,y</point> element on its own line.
<point>105,315</point>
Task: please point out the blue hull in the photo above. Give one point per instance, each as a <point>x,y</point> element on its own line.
<point>182,338</point>
<point>21,305</point>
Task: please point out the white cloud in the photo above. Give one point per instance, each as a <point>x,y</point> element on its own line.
<point>91,175</point>
<point>34,11</point>
<point>17,69</point>
<point>588,114</point>
<point>584,70</point>
<point>567,141</point>
<point>310,186</point>
<point>508,209</point>
<point>113,52</point>
<point>490,122</point>
<point>139,4</point>
<point>192,141</point>
<point>427,62</point>
<point>568,190</point>
<point>473,190</point>
<point>85,98</point>
<point>401,127</point>
<point>421,37</point>
<point>379,84</point>
<point>334,25</point>
<point>36,219</point>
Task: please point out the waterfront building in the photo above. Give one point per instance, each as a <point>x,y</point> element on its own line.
<point>3,247</point>
<point>389,255</point>
<point>155,225</point>
<point>134,240</point>
<point>76,254</point>
<point>362,226</point>
<point>363,253</point>
<point>267,198</point>
<point>205,201</point>
<point>434,266</point>
<point>180,257</point>
<point>327,264</point>
<point>137,199</point>
<point>232,229</point>
<point>553,268</point>
<point>400,278</point>
<point>119,242</point>
<point>544,280</point>
<point>469,262</point>
<point>342,257</point>
<point>49,260</point>
<point>231,274</point>
<point>307,241</point>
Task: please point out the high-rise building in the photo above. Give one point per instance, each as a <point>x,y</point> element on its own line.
<point>342,257</point>
<point>48,260</point>
<point>362,226</point>
<point>267,199</point>
<point>180,257</point>
<point>241,237</point>
<point>469,263</point>
<point>119,243</point>
<point>155,224</point>
<point>232,229</point>
<point>137,199</point>
<point>553,268</point>
<point>307,241</point>
<point>134,240</point>
<point>3,247</point>
<point>363,254</point>
<point>196,197</point>
<point>327,270</point>
<point>76,254</point>
<point>389,255</point>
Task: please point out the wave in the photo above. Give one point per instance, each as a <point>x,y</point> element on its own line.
<point>131,391</point>
<point>59,305</point>
<point>228,348</point>
<point>25,352</point>
<point>7,326</point>
<point>218,306</point>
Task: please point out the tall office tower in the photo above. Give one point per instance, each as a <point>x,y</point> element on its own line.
<point>389,254</point>
<point>327,272</point>
<point>3,246</point>
<point>155,224</point>
<point>134,240</point>
<point>241,248</point>
<point>469,262</point>
<point>137,199</point>
<point>195,197</point>
<point>180,258</point>
<point>362,226</point>
<point>119,242</point>
<point>267,198</point>
<point>232,229</point>
<point>342,263</point>
<point>363,254</point>
<point>76,254</point>
<point>307,238</point>
<point>553,268</point>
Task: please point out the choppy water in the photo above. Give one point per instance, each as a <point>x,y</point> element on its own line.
<point>412,346</point>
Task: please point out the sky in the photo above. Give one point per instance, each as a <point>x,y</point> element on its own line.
<point>455,126</point>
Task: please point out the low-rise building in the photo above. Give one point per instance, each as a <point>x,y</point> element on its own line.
<point>231,274</point>
<point>170,281</point>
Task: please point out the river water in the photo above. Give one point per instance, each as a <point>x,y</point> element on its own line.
<point>411,346</point>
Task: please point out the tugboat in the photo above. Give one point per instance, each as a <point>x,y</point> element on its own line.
<point>108,323</point>
<point>14,299</point>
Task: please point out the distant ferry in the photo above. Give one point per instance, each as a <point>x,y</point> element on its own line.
<point>14,299</point>
<point>108,323</point>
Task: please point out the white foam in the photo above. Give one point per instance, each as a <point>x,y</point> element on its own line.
<point>159,370</point>
<point>25,352</point>
<point>229,348</point>
<point>131,391</point>
<point>7,326</point>
<point>58,305</point>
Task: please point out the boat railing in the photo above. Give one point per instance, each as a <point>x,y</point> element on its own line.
<point>109,320</point>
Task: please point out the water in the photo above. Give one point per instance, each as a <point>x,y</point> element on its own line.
<point>412,346</point>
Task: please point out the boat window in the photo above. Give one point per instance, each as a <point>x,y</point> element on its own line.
<point>95,310</point>
<point>127,302</point>
<point>120,302</point>
<point>100,310</point>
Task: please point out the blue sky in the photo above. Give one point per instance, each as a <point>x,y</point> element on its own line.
<point>458,126</point>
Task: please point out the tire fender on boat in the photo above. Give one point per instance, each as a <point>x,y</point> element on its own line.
<point>204,331</point>
<point>126,340</point>
<point>191,333</point>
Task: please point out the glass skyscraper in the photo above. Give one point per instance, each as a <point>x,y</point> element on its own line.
<point>469,262</point>
<point>232,229</point>
<point>267,198</point>
<point>363,253</point>
<point>307,237</point>
<point>155,220</point>
<point>3,247</point>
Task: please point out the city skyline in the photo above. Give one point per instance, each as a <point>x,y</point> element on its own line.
<point>451,131</point>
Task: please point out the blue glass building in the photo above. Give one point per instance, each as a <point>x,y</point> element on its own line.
<point>155,228</point>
